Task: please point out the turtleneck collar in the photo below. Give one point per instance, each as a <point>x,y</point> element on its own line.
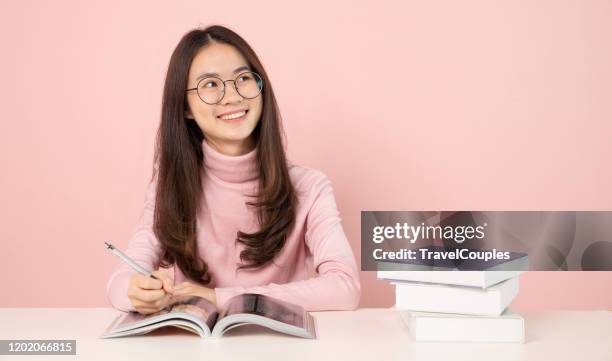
<point>232,169</point>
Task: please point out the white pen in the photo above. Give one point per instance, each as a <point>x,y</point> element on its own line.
<point>129,261</point>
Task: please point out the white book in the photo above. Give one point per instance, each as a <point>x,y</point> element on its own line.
<point>482,279</point>
<point>429,297</point>
<point>445,327</point>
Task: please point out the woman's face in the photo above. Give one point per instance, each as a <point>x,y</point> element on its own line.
<point>229,136</point>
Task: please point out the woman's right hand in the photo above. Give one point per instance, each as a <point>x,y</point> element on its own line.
<point>149,295</point>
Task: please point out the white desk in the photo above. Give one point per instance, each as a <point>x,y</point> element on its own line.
<point>365,334</point>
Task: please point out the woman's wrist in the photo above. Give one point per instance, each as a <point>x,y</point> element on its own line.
<point>210,295</point>
<point>194,289</point>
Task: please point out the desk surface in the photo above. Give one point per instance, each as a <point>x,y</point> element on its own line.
<point>365,334</point>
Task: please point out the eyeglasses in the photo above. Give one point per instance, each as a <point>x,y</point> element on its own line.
<point>212,89</point>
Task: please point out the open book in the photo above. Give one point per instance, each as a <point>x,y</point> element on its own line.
<point>203,318</point>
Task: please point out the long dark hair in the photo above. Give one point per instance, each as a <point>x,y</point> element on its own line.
<point>179,161</point>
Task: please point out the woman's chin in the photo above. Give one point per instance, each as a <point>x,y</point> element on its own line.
<point>237,132</point>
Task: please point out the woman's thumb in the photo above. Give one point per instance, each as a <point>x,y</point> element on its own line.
<point>167,282</point>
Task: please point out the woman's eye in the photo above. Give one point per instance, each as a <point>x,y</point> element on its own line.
<point>244,78</point>
<point>210,84</point>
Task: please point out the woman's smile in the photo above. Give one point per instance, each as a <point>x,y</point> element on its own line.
<point>234,116</point>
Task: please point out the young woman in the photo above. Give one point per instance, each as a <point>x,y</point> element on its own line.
<point>224,208</point>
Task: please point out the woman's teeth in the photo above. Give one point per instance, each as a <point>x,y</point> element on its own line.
<point>233,116</point>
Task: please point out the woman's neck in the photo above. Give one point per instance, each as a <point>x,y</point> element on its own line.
<point>232,148</point>
<point>237,169</point>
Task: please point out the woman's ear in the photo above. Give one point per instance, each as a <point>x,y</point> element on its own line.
<point>186,111</point>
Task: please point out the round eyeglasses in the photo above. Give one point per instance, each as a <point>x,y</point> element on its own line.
<point>212,89</point>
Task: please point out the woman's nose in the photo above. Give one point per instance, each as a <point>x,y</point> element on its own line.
<point>231,94</point>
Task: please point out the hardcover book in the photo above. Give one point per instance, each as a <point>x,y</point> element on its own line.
<point>429,297</point>
<point>475,273</point>
<point>429,326</point>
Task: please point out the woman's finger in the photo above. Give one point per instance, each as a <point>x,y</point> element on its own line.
<point>163,302</point>
<point>164,277</point>
<point>149,295</point>
<point>147,283</point>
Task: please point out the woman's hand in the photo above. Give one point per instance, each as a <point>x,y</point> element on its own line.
<point>193,289</point>
<point>149,295</point>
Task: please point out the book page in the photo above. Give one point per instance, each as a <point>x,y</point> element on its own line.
<point>255,304</point>
<point>197,307</point>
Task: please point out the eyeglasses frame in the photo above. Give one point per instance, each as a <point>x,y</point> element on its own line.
<point>223,82</point>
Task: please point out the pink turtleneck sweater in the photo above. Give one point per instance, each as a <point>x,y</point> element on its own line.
<point>315,269</point>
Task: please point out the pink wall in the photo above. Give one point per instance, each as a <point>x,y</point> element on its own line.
<point>432,105</point>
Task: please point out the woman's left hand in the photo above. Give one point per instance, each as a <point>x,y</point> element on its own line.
<point>193,289</point>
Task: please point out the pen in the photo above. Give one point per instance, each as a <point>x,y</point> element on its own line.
<point>129,261</point>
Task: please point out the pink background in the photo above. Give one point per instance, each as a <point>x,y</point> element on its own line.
<point>431,105</point>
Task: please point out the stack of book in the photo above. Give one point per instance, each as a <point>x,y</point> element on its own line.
<point>458,306</point>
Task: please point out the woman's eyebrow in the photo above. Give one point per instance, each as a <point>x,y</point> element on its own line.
<point>236,71</point>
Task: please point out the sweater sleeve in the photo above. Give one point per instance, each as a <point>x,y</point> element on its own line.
<point>336,286</point>
<point>143,248</point>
